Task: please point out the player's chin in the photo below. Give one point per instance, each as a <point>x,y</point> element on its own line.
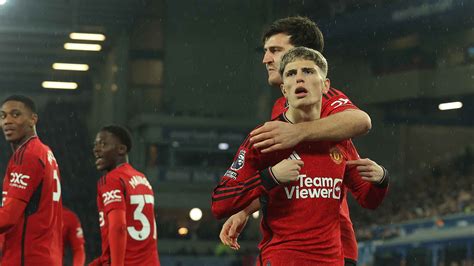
<point>274,79</point>
<point>10,137</point>
<point>100,167</point>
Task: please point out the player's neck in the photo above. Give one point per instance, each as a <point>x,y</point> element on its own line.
<point>121,161</point>
<point>17,144</point>
<point>304,113</point>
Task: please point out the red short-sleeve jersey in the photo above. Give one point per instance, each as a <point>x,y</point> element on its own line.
<point>33,177</point>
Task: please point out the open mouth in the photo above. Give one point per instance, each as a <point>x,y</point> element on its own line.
<point>301,92</point>
<point>8,131</point>
<point>98,160</point>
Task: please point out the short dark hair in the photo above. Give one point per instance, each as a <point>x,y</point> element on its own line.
<point>121,133</point>
<point>27,101</point>
<point>302,31</point>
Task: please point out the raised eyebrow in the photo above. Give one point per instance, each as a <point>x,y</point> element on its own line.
<point>290,71</point>
<point>16,111</point>
<point>12,111</point>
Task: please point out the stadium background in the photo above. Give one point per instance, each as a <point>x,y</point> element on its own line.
<point>186,76</point>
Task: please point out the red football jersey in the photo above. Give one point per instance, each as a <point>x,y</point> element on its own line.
<point>334,101</point>
<point>72,230</point>
<point>301,219</point>
<point>33,177</point>
<point>127,189</point>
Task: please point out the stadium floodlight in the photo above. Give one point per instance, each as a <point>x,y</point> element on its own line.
<point>449,106</point>
<point>82,46</point>
<point>175,144</point>
<point>87,36</point>
<point>195,214</point>
<point>71,67</point>
<point>2,2</point>
<point>223,146</point>
<point>57,85</point>
<point>182,231</point>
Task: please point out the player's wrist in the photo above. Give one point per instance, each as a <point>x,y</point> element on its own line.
<point>245,213</point>
<point>250,209</point>
<point>269,181</point>
<point>384,181</point>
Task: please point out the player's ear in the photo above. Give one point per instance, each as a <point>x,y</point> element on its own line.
<point>326,85</point>
<point>122,149</point>
<point>33,120</point>
<point>283,90</point>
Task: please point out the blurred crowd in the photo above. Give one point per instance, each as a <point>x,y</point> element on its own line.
<point>448,189</point>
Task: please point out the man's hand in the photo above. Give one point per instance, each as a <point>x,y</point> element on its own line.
<point>287,170</point>
<point>369,170</point>
<point>276,135</point>
<point>232,228</point>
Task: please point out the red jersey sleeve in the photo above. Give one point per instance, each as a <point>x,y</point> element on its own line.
<point>242,183</point>
<point>25,176</point>
<point>368,195</point>
<point>112,193</point>
<point>334,101</point>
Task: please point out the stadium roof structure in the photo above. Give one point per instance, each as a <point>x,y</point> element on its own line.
<point>33,34</point>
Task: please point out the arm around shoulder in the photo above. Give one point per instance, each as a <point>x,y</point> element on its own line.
<point>340,126</point>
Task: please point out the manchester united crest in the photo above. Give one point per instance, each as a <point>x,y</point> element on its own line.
<point>336,155</point>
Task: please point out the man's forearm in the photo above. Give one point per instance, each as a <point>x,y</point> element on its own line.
<point>344,125</point>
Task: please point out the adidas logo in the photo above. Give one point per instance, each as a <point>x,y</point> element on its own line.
<point>294,156</point>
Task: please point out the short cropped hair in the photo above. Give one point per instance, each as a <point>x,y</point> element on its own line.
<point>121,133</point>
<point>27,101</point>
<point>302,31</point>
<point>304,53</point>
